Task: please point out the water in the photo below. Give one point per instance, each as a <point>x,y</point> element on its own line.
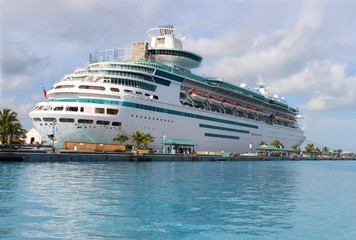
<point>179,200</point>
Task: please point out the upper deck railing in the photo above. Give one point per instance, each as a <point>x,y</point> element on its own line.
<point>116,54</point>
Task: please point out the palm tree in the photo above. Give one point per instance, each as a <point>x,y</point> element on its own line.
<point>7,118</point>
<point>15,130</point>
<point>121,138</point>
<point>325,150</point>
<point>261,143</point>
<point>309,147</point>
<point>277,144</point>
<point>296,147</point>
<point>137,137</point>
<point>338,150</point>
<point>147,138</point>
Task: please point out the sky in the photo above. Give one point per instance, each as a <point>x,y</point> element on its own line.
<point>304,50</point>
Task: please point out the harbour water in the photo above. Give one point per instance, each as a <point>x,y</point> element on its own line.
<point>178,200</point>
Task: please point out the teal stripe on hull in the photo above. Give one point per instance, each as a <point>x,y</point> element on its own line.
<point>158,109</point>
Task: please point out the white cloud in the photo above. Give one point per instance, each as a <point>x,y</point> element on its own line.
<point>7,102</point>
<point>35,98</point>
<point>335,131</point>
<point>325,83</point>
<point>17,83</point>
<point>241,56</point>
<point>305,59</point>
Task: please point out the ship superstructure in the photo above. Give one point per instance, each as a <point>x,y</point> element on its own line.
<point>151,88</point>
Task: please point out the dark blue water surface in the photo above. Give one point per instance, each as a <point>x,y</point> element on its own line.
<point>179,200</point>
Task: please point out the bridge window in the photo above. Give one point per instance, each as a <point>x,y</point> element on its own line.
<point>101,122</point>
<point>87,121</point>
<point>68,120</point>
<point>100,110</point>
<point>112,111</point>
<point>91,87</point>
<point>72,109</point>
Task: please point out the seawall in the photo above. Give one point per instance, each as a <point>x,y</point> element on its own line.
<point>44,156</point>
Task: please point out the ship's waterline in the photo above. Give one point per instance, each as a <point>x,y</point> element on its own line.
<point>153,91</point>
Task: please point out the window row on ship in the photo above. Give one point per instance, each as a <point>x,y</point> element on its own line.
<point>51,120</point>
<point>85,109</point>
<point>124,82</point>
<point>122,66</point>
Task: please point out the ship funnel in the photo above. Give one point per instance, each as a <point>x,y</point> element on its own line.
<point>167,47</point>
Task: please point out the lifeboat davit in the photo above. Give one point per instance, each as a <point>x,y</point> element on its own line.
<point>198,96</point>
<point>228,104</point>
<point>214,101</point>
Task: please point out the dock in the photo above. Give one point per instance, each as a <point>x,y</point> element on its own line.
<point>65,156</point>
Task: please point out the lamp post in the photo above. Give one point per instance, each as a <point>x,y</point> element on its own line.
<point>54,131</point>
<point>163,139</point>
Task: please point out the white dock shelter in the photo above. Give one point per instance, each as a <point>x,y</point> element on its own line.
<point>33,137</point>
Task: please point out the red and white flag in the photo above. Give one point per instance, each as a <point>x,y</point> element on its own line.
<point>44,92</point>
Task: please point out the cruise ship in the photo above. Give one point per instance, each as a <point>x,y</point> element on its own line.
<point>150,87</point>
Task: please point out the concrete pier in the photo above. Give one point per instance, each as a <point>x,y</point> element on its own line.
<point>62,156</point>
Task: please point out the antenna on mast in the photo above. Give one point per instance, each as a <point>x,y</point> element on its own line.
<point>262,86</point>
<point>260,82</point>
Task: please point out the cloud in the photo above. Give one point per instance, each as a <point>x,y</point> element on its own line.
<point>7,102</point>
<point>325,83</point>
<point>333,131</point>
<point>305,59</point>
<point>241,56</point>
<point>23,117</point>
<point>35,98</point>
<point>17,59</point>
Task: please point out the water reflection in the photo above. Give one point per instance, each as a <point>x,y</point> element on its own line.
<point>147,200</point>
<point>9,173</point>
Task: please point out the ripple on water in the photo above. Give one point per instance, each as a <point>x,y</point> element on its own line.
<point>180,200</point>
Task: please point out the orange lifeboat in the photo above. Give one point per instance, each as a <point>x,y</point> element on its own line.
<point>252,109</point>
<point>239,106</point>
<point>198,96</point>
<point>228,104</point>
<point>280,117</point>
<point>214,101</point>
<point>261,112</point>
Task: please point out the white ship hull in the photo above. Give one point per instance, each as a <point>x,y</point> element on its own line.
<point>168,126</point>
